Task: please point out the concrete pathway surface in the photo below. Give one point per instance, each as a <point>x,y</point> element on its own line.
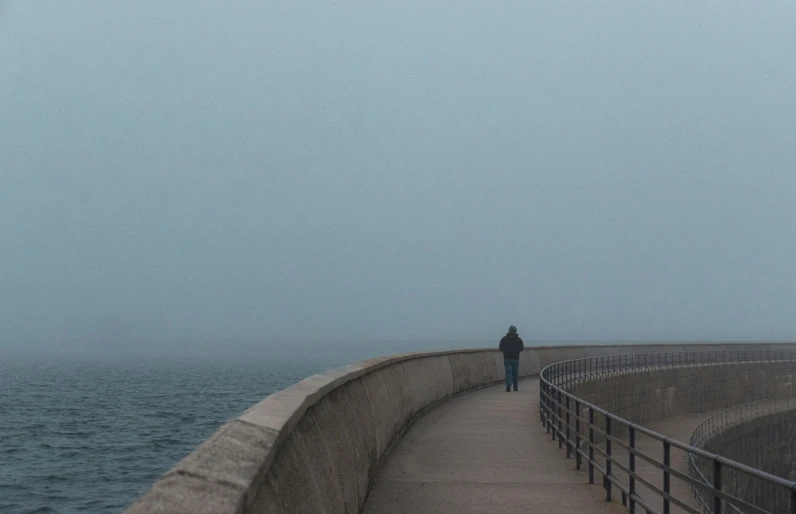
<point>483,452</point>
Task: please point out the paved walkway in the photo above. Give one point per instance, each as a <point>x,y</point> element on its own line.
<point>483,452</point>
<point>486,451</point>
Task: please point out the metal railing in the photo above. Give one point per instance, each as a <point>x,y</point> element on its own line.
<point>594,434</point>
<point>725,419</point>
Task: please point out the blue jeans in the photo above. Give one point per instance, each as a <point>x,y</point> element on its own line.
<point>512,372</point>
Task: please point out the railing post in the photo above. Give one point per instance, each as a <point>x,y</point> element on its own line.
<point>541,401</point>
<point>631,464</point>
<point>716,486</point>
<point>607,458</point>
<point>547,415</point>
<point>591,445</point>
<point>667,450</point>
<point>550,419</point>
<point>577,434</point>
<point>548,405</point>
<point>560,415</point>
<point>544,407</point>
<point>568,423</point>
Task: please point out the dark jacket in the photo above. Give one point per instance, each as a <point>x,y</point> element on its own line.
<point>511,346</point>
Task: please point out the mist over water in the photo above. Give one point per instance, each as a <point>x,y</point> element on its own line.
<point>201,203</point>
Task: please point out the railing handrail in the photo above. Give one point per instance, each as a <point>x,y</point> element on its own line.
<point>737,413</point>
<point>729,417</point>
<point>556,413</point>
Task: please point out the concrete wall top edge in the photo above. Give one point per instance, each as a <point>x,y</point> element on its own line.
<point>289,404</point>
<point>271,421</point>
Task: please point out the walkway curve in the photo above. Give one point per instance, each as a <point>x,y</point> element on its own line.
<point>484,451</point>
<point>317,446</point>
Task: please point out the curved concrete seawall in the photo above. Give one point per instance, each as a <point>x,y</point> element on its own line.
<point>315,446</point>
<point>765,441</point>
<point>647,395</point>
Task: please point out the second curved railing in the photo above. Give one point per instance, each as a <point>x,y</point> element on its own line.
<point>725,420</point>
<point>607,443</point>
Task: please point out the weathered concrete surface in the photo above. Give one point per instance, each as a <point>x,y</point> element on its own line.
<point>765,441</point>
<point>484,451</point>
<point>487,452</point>
<point>315,446</point>
<point>645,396</point>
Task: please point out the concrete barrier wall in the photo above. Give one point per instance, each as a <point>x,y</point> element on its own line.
<point>766,442</point>
<point>315,446</point>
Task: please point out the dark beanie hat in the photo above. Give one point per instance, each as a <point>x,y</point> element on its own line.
<point>512,329</point>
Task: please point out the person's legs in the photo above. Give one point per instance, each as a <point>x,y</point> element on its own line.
<point>507,365</point>
<point>515,373</point>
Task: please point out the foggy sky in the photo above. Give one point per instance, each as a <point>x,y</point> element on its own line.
<point>410,170</point>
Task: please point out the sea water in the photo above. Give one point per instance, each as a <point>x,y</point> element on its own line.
<point>92,433</point>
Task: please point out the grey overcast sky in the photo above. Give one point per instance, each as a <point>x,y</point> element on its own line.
<point>410,170</point>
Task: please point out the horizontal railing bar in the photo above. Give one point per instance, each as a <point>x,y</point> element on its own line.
<point>651,460</point>
<point>567,417</point>
<point>685,447</point>
<point>600,450</point>
<point>618,441</point>
<point>617,483</point>
<point>667,496</point>
<point>710,491</point>
<point>691,481</point>
<point>690,449</point>
<point>658,491</point>
<point>756,473</point>
<point>619,465</point>
<point>682,505</point>
<point>651,433</point>
<point>654,488</point>
<point>598,467</point>
<point>748,470</point>
<point>647,507</point>
<point>734,500</point>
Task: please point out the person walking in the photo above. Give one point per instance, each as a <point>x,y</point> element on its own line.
<point>511,346</point>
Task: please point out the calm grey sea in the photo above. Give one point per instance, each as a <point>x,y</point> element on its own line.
<point>91,434</point>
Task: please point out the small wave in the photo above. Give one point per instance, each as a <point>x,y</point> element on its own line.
<point>166,443</point>
<point>81,435</point>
